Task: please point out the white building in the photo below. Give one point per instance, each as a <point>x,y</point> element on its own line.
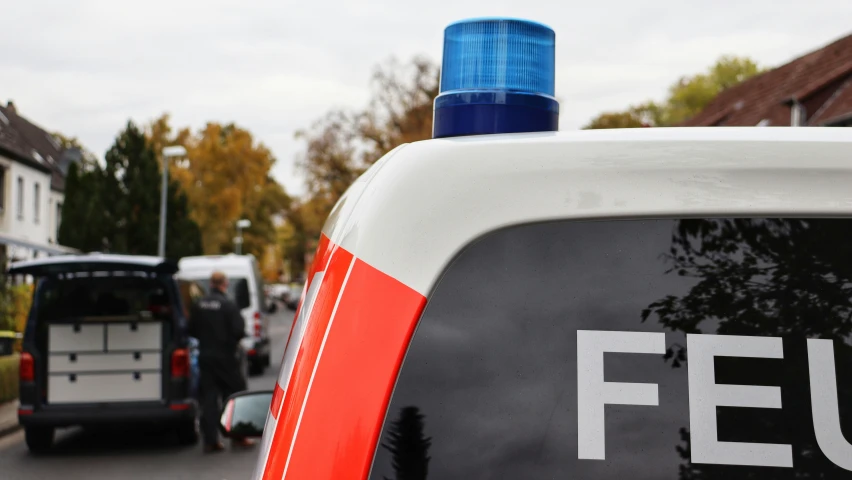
<point>32,181</point>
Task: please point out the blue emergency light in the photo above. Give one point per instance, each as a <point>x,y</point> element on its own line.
<point>497,76</point>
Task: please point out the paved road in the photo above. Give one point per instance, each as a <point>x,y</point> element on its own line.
<point>140,454</point>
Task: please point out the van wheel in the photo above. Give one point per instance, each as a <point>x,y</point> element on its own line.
<point>187,433</point>
<point>39,439</point>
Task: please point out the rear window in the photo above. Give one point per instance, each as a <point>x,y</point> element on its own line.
<point>238,289</point>
<point>640,349</point>
<point>101,296</point>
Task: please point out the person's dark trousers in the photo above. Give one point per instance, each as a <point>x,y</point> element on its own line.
<point>220,378</point>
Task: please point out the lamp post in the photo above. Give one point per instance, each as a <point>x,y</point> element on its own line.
<point>168,152</point>
<point>241,224</point>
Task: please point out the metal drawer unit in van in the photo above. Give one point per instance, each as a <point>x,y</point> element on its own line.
<point>105,362</point>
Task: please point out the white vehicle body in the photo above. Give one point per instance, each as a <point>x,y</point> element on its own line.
<point>238,268</point>
<point>427,200</point>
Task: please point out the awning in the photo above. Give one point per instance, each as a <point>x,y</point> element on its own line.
<point>6,239</point>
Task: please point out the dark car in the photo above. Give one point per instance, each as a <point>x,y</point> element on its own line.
<point>105,343</point>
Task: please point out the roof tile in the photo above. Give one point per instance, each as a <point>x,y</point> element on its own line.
<point>816,76</point>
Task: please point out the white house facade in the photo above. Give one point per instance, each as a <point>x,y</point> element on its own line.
<point>32,181</point>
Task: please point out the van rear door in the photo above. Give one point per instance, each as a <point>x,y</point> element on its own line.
<point>100,328</point>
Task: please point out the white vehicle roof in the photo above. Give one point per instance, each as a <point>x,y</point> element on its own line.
<point>412,212</point>
<point>207,263</point>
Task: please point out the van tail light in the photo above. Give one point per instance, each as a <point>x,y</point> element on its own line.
<point>258,325</point>
<point>27,368</point>
<point>180,363</point>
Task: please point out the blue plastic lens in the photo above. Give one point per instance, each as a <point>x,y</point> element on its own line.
<point>497,76</point>
<point>501,54</point>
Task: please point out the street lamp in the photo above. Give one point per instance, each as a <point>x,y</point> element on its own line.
<point>241,224</point>
<point>168,152</point>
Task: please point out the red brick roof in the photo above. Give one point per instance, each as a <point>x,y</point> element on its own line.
<point>821,81</point>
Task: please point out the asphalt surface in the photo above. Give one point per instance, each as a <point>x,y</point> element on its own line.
<point>139,453</point>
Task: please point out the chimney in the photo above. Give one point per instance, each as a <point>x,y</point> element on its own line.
<point>10,107</point>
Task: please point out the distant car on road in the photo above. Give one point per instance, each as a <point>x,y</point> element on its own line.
<point>278,291</point>
<point>293,296</point>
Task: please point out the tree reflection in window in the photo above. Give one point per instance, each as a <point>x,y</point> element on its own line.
<point>789,278</point>
<point>408,446</point>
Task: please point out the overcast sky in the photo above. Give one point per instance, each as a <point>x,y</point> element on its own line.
<point>84,67</point>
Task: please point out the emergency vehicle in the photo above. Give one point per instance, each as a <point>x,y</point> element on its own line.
<point>508,301</point>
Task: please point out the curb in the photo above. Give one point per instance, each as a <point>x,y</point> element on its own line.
<point>6,431</point>
<point>9,423</point>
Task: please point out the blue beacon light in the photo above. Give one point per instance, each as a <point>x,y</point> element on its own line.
<point>497,76</point>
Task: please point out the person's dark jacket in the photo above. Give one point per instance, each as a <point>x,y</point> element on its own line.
<point>216,322</point>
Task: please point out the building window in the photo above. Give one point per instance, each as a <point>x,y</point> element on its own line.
<point>2,189</point>
<point>20,206</point>
<point>37,202</point>
<point>58,219</point>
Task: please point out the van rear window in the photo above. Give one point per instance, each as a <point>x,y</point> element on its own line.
<point>80,297</point>
<point>644,349</point>
<point>238,289</point>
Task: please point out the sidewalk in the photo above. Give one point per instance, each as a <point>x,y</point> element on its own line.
<point>9,418</point>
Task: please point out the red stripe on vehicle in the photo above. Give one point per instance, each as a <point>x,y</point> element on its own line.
<point>354,379</point>
<point>277,398</point>
<point>320,261</point>
<point>338,262</point>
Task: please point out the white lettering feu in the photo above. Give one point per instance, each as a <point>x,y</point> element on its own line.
<point>705,395</point>
<point>593,393</point>
<point>824,403</point>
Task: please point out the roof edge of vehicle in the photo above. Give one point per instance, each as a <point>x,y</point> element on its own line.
<point>222,257</point>
<point>428,200</point>
<point>93,262</point>
<point>206,263</point>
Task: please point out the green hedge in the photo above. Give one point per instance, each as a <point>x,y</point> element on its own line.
<point>8,378</point>
<point>15,301</point>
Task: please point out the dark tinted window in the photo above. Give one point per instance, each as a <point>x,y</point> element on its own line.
<point>237,289</point>
<point>493,387</point>
<point>77,297</point>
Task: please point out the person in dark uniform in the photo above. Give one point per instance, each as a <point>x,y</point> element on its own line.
<point>218,325</point>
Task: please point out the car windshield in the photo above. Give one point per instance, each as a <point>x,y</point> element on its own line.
<point>233,284</point>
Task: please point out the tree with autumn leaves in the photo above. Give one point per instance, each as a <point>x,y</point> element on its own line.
<point>114,206</point>
<point>687,97</point>
<point>342,144</point>
<point>226,176</point>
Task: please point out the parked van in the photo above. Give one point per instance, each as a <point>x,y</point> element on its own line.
<point>104,343</point>
<point>245,287</point>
